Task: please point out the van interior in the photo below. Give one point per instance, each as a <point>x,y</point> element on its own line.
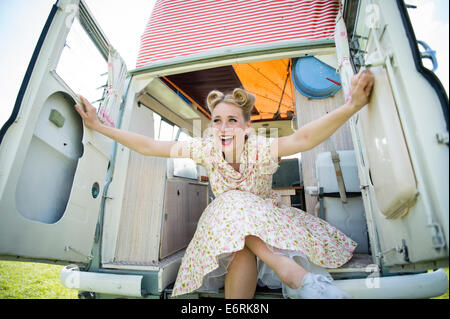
<point>164,198</point>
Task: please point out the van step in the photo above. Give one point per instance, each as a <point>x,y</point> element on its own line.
<point>358,263</point>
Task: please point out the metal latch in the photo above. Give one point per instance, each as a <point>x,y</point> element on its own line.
<point>438,238</point>
<point>402,249</point>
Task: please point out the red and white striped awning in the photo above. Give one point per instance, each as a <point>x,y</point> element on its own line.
<point>183,27</point>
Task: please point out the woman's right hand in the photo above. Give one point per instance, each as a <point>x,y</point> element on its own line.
<point>88,113</point>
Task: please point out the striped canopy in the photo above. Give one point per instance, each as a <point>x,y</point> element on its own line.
<point>182,27</point>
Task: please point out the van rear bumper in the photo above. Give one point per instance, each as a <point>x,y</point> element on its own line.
<point>417,286</point>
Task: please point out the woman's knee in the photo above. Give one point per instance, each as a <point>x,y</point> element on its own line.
<point>245,254</point>
<point>242,260</point>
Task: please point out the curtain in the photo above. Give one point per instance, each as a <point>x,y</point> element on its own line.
<point>117,72</point>
<point>343,55</point>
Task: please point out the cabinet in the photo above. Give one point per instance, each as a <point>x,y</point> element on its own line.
<point>184,202</point>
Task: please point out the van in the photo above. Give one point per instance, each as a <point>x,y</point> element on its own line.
<point>120,222</point>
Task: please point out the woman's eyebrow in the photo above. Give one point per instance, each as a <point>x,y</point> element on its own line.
<point>218,116</point>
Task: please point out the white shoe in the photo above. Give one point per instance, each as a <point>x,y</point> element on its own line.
<point>316,286</point>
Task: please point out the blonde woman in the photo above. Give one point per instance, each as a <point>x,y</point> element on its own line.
<point>245,235</point>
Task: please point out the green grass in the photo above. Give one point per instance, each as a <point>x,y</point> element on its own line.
<point>26,280</point>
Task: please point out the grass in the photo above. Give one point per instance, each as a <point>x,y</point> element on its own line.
<point>26,280</point>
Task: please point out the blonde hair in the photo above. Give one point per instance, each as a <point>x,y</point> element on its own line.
<point>239,97</point>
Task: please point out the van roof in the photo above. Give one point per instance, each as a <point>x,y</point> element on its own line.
<point>183,33</point>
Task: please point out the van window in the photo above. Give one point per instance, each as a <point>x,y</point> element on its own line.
<point>156,125</point>
<point>164,130</point>
<point>184,167</point>
<point>183,136</point>
<point>81,65</point>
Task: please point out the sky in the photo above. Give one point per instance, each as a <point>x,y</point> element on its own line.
<point>123,22</point>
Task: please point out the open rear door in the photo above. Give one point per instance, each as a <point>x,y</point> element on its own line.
<point>401,139</point>
<point>52,169</point>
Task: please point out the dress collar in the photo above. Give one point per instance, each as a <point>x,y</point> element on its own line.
<point>245,167</point>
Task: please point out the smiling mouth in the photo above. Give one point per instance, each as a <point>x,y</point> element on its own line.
<point>226,140</point>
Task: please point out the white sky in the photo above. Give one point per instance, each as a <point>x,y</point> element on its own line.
<point>123,22</point>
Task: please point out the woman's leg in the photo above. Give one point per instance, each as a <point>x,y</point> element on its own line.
<point>241,276</point>
<point>289,272</point>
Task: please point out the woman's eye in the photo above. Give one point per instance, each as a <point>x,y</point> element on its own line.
<point>233,120</point>
<point>216,120</point>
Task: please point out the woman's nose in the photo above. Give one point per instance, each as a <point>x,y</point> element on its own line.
<point>224,127</point>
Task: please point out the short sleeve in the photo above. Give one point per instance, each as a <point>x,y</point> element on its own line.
<point>195,149</point>
<point>267,154</point>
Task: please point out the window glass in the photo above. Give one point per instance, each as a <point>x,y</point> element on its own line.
<point>175,132</point>
<point>165,131</point>
<point>183,136</point>
<point>81,65</point>
<point>157,124</point>
<point>430,23</point>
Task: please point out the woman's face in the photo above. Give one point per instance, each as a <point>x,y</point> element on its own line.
<point>229,126</point>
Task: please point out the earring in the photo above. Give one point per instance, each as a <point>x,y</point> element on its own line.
<point>249,131</point>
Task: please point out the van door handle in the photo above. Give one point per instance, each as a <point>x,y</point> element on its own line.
<point>428,54</point>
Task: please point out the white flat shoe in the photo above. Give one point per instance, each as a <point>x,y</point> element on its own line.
<point>316,286</point>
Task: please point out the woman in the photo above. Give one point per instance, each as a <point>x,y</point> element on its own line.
<point>246,219</point>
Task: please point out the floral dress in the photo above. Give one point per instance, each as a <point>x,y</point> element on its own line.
<point>244,205</point>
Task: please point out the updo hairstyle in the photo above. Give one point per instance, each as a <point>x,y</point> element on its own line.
<point>239,97</point>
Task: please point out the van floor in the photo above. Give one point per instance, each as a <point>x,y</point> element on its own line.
<point>354,268</point>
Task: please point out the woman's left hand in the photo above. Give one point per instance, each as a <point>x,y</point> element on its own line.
<point>361,88</point>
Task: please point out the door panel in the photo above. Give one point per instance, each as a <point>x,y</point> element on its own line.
<point>44,185</point>
<point>390,169</point>
<point>403,167</point>
<point>52,169</point>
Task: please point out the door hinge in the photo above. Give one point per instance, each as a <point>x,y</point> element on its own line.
<point>67,248</point>
<point>402,249</point>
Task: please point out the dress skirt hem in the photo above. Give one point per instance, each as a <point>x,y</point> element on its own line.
<point>214,280</point>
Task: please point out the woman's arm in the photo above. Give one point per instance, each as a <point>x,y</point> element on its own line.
<point>142,144</point>
<point>315,132</point>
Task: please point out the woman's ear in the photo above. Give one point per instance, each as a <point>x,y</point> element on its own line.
<point>249,129</point>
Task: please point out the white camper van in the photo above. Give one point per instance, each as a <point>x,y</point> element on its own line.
<point>120,222</point>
